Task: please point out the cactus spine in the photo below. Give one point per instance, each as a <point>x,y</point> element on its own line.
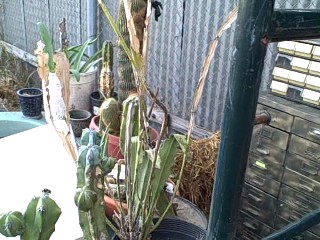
<point>37,223</point>
<point>106,75</point>
<point>92,167</point>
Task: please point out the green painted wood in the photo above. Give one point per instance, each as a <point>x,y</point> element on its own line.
<point>296,227</point>
<point>253,21</point>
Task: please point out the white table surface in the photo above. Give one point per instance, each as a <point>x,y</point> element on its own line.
<point>31,161</point>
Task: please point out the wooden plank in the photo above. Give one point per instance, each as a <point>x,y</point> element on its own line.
<point>179,125</point>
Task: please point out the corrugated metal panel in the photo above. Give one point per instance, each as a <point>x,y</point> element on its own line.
<point>164,65</point>
<point>1,19</point>
<point>35,11</point>
<point>179,45</point>
<point>71,10</point>
<point>14,30</point>
<point>297,4</point>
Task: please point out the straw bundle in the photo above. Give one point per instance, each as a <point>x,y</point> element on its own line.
<point>198,175</point>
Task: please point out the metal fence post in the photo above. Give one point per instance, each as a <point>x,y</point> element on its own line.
<point>248,60</point>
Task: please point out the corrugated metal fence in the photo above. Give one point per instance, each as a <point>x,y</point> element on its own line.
<point>179,44</point>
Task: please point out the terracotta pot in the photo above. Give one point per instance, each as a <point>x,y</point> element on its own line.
<point>111,206</point>
<point>114,141</point>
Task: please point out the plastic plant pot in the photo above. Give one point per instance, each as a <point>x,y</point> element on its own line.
<point>31,102</point>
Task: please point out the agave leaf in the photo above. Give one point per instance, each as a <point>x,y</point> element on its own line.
<point>164,163</point>
<point>76,74</point>
<point>47,40</point>
<point>162,204</point>
<point>79,56</point>
<point>91,61</point>
<point>141,167</point>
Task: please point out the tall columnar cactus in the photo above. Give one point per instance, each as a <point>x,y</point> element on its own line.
<point>92,167</point>
<point>37,223</point>
<point>126,76</point>
<point>106,75</point>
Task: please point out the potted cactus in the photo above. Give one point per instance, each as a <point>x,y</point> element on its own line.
<point>106,80</point>
<point>37,223</point>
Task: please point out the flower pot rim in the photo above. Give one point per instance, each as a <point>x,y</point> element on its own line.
<point>19,92</point>
<point>86,112</point>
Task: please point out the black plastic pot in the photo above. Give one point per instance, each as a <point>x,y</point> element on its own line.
<point>79,119</point>
<point>96,100</point>
<point>176,229</point>
<point>31,102</point>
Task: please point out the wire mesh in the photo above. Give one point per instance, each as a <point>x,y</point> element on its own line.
<point>179,42</point>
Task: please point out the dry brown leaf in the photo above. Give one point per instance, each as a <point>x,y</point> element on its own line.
<point>43,60</point>
<point>134,40</point>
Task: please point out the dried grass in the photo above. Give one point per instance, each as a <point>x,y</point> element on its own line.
<point>13,76</point>
<point>198,175</point>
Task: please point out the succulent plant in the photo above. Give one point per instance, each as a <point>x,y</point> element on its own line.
<point>92,167</point>
<point>37,223</point>
<point>106,82</point>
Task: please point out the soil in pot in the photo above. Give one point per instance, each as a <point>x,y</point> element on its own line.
<point>79,119</point>
<point>31,102</point>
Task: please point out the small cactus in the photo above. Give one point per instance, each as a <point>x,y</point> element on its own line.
<point>110,116</point>
<point>106,75</point>
<point>92,167</point>
<point>37,223</point>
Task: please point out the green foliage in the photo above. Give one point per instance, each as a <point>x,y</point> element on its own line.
<point>148,168</point>
<point>89,196</point>
<point>37,223</point>
<point>47,40</point>
<point>79,61</point>
<point>109,116</point>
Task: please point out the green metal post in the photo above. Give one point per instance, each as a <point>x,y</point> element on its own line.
<point>295,25</point>
<point>253,21</point>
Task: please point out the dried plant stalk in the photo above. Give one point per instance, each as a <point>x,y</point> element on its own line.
<point>199,89</point>
<point>56,92</point>
<point>198,174</point>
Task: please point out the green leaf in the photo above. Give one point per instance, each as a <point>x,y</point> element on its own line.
<point>76,74</point>
<point>79,56</point>
<point>135,58</point>
<point>47,40</point>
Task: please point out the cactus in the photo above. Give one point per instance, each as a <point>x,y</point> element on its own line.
<point>37,223</point>
<point>92,167</point>
<point>126,77</point>
<point>106,75</point>
<point>110,116</point>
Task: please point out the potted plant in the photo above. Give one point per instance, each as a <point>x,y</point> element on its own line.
<point>106,80</point>
<point>82,67</point>
<point>30,102</point>
<point>147,167</point>
<point>110,111</point>
<point>37,223</point>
